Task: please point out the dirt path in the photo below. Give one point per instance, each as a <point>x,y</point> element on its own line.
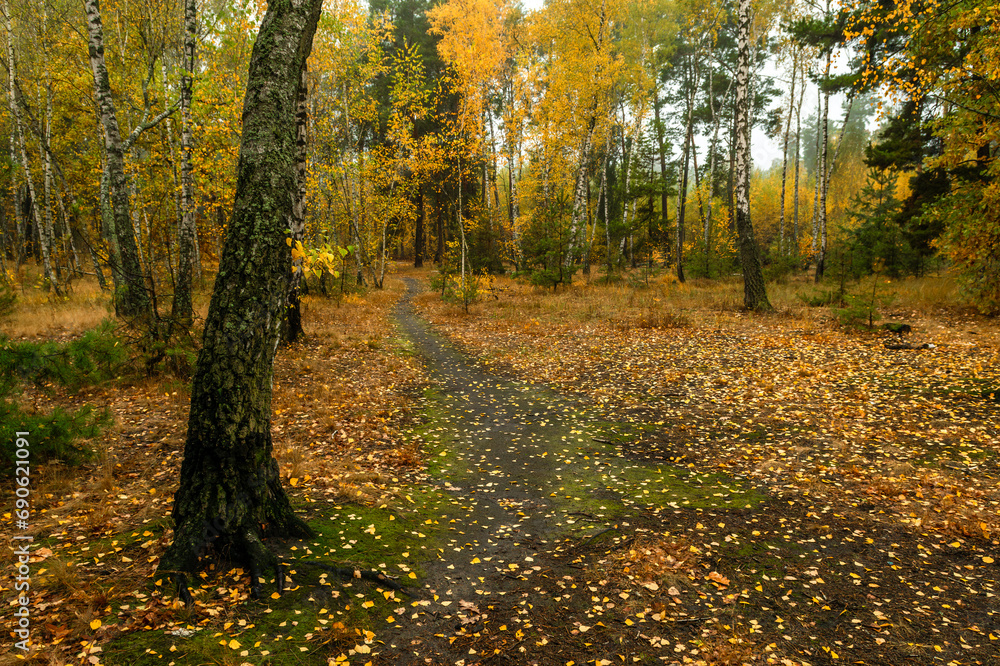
<point>499,462</point>
<point>535,476</point>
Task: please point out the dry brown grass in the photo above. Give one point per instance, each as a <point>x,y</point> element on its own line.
<point>40,314</point>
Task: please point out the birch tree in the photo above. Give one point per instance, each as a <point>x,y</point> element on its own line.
<point>754,290</point>
<point>230,493</point>
<point>133,299</point>
<point>187,231</point>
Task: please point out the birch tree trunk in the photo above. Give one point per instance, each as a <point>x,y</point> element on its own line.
<point>580,189</point>
<point>182,311</point>
<point>819,181</point>
<point>17,131</point>
<point>784,152</point>
<point>754,291</point>
<point>602,202</point>
<point>50,240</point>
<point>230,494</point>
<point>682,201</point>
<point>798,135</point>
<point>822,177</point>
<point>662,154</point>
<point>132,296</point>
<point>19,226</point>
<point>626,181</point>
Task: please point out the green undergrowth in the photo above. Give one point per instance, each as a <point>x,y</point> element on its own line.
<point>582,469</point>
<point>435,435</point>
<point>94,358</point>
<point>323,613</point>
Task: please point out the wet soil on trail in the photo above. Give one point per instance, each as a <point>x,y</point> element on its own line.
<point>538,481</point>
<point>572,537</point>
<point>498,464</point>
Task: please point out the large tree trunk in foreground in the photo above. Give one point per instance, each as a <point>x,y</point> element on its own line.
<point>754,292</point>
<point>230,493</point>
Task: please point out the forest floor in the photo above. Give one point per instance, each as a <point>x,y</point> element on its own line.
<point>609,474</point>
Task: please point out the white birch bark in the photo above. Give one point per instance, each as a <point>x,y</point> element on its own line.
<point>784,152</point>
<point>754,292</point>
<point>44,240</point>
<point>797,168</point>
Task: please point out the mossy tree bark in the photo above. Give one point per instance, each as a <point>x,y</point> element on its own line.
<point>230,494</point>
<point>754,292</point>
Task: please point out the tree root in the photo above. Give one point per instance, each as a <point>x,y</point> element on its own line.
<point>253,553</point>
<point>365,574</point>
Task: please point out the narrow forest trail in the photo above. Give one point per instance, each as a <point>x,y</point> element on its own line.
<point>499,462</point>
<point>533,475</point>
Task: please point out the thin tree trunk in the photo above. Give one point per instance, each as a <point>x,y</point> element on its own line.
<point>784,152</point>
<point>580,189</point>
<point>717,122</point>
<point>187,232</point>
<point>822,177</point>
<point>44,240</point>
<point>132,296</point>
<point>297,221</point>
<point>19,226</point>
<point>798,169</point>
<point>682,191</point>
<point>418,236</point>
<point>661,150</point>
<point>754,290</point>
<point>819,177</point>
<point>230,492</point>
<point>4,235</point>
<point>439,246</point>
<point>47,187</point>
<point>840,141</point>
<point>602,200</point>
<point>167,135</point>
<point>461,231</point>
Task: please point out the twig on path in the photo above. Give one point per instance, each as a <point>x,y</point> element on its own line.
<point>687,620</point>
<point>610,529</point>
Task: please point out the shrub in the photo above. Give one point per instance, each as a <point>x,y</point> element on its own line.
<point>95,358</point>
<point>53,436</point>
